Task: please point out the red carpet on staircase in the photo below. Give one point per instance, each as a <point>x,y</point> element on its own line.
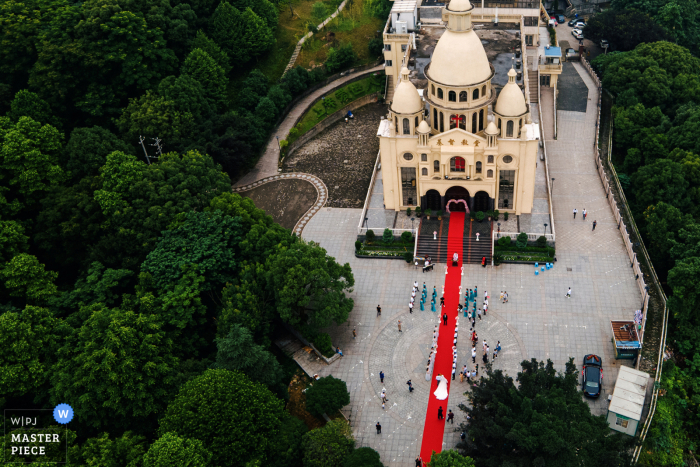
<point>434,429</point>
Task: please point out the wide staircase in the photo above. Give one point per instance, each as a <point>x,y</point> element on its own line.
<point>473,251</point>
<point>389,89</point>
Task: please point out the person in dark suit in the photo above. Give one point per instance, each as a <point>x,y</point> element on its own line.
<point>444,319</point>
<point>440,417</point>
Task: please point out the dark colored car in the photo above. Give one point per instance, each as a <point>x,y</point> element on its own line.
<point>572,22</point>
<point>592,375</point>
<point>560,19</point>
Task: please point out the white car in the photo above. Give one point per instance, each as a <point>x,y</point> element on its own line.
<point>577,34</point>
<point>580,25</point>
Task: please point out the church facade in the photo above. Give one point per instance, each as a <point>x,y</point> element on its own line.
<point>459,147</point>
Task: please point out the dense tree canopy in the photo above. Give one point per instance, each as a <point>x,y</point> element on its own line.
<point>529,421</point>
<point>329,445</point>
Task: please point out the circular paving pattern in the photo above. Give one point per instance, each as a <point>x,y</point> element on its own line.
<point>321,191</point>
<point>404,355</point>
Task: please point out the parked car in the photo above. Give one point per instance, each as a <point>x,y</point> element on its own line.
<point>592,375</point>
<point>604,44</point>
<point>561,19</point>
<point>580,24</point>
<point>571,55</point>
<point>572,22</point>
<point>577,33</point>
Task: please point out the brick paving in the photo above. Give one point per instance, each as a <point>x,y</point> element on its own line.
<point>538,322</point>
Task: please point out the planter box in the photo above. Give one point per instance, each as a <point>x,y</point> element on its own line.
<point>380,257</point>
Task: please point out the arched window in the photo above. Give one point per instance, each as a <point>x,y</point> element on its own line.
<point>406,127</point>
<point>435,119</point>
<point>483,91</point>
<point>457,164</point>
<point>489,173</point>
<point>424,172</point>
<point>439,93</point>
<point>499,126</point>
<point>474,121</point>
<point>454,119</point>
<point>478,167</point>
<point>432,88</point>
<point>424,158</point>
<point>416,126</point>
<point>436,166</point>
<point>481,119</point>
<point>475,94</point>
<point>442,122</point>
<point>452,96</point>
<point>490,160</point>
<point>463,122</point>
<point>509,129</point>
<point>463,96</point>
<point>396,124</point>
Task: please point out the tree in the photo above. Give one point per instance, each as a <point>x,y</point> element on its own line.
<point>682,134</point>
<point>234,417</point>
<point>26,277</point>
<point>170,449</point>
<point>279,97</point>
<point>683,303</point>
<point>258,37</point>
<point>329,445</point>
<point>202,42</point>
<point>154,116</point>
<point>521,241</point>
<point>450,458</point>
<point>388,236</point>
<point>319,12</point>
<point>12,240</point>
<point>363,457</point>
<point>117,368</point>
<point>87,149</point>
<point>28,163</point>
<point>624,29</point>
<point>29,339</point>
<point>29,104</point>
<point>663,222</point>
<point>376,47</point>
<point>200,66</point>
<point>543,421</point>
<point>263,8</point>
<point>125,451</point>
<point>327,395</point>
<point>266,111</point>
<point>188,96</point>
<point>296,79</point>
<point>309,286</point>
<point>238,352</point>
<point>287,450</point>
<point>227,29</point>
<point>340,58</point>
<point>662,180</point>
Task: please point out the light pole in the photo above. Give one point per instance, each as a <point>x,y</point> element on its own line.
<point>278,143</point>
<point>367,222</point>
<point>499,230</point>
<point>412,218</point>
<point>553,184</point>
<point>545,230</point>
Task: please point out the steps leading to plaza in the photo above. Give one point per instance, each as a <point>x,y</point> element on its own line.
<point>472,250</point>
<point>533,77</point>
<point>389,89</point>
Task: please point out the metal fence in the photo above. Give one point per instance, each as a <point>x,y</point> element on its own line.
<point>613,182</point>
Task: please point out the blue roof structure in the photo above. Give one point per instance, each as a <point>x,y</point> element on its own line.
<point>552,52</point>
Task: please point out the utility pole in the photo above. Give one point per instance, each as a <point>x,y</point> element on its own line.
<point>141,140</point>
<point>159,148</point>
<point>156,144</point>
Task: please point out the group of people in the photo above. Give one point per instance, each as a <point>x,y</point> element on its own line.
<point>584,216</point>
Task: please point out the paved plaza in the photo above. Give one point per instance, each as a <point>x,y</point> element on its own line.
<point>538,322</point>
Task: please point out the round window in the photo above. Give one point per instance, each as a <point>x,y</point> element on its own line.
<point>507,159</point>
<point>408,156</point>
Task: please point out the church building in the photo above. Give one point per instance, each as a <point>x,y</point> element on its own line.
<point>459,147</point>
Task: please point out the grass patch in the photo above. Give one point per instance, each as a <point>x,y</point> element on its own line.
<point>352,26</point>
<point>335,101</point>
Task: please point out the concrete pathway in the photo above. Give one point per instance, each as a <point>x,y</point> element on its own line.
<point>268,163</point>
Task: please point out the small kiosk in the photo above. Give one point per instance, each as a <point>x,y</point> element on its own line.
<point>627,401</point>
<point>625,339</point>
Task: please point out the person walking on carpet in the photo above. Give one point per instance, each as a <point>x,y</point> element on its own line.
<point>440,417</point>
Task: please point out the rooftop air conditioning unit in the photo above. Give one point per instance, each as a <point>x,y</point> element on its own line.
<point>401,27</point>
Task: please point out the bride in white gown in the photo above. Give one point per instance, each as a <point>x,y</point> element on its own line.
<point>441,391</point>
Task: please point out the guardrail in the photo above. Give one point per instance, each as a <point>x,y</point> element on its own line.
<point>544,152</point>
<point>369,194</point>
<point>531,237</point>
<point>633,257</point>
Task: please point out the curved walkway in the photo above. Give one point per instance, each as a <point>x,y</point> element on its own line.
<point>321,191</point>
<point>269,162</point>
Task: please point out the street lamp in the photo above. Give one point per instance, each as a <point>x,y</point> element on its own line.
<point>553,184</point>
<point>545,229</point>
<point>367,222</point>
<point>499,230</point>
<point>412,218</point>
<point>278,143</point>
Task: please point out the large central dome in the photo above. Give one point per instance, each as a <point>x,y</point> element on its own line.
<point>459,59</point>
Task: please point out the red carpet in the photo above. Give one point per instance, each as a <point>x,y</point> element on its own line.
<point>434,429</point>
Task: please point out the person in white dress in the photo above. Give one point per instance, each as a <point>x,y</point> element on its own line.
<point>441,391</point>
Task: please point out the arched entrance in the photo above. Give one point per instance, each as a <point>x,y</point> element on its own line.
<point>482,201</point>
<point>457,193</point>
<point>432,200</point>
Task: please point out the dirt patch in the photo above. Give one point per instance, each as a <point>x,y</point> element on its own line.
<point>285,201</point>
<point>296,405</point>
<point>343,156</point>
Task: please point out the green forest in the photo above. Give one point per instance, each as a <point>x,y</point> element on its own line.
<point>136,287</point>
<point>656,152</point>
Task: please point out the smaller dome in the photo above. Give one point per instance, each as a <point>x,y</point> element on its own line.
<point>459,5</point>
<point>491,129</point>
<point>423,127</point>
<point>511,100</point>
<point>406,98</point>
